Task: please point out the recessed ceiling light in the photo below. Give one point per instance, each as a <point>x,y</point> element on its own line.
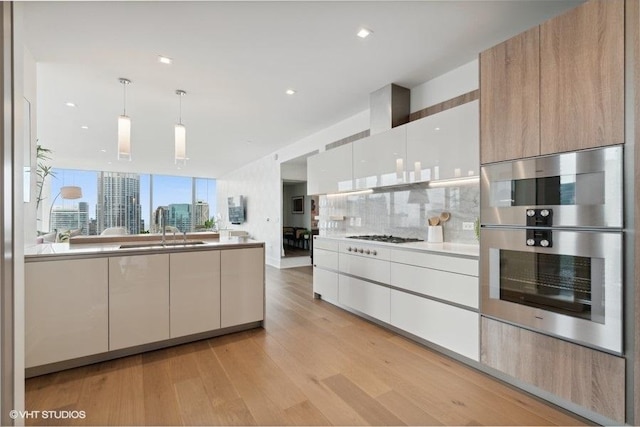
<point>436,129</point>
<point>69,104</point>
<point>103,150</point>
<point>290,92</point>
<point>84,127</point>
<point>165,60</point>
<point>364,33</point>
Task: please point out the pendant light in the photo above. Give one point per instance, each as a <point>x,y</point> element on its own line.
<point>180,135</point>
<point>124,126</point>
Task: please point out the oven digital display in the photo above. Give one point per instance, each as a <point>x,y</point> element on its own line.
<point>565,284</point>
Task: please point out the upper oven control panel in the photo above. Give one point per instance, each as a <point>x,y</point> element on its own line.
<point>539,217</point>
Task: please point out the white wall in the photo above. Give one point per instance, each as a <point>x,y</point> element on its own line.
<point>30,96</point>
<point>23,86</point>
<point>458,81</point>
<point>261,181</point>
<point>294,172</point>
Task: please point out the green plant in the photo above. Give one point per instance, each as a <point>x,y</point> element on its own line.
<point>210,223</point>
<point>42,172</point>
<point>476,228</point>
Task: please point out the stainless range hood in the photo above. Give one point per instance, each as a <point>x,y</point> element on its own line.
<point>389,107</point>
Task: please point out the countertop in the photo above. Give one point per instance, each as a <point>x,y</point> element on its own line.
<point>446,248</point>
<point>48,251</point>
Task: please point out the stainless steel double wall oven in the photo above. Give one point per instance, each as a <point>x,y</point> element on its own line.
<point>551,245</point>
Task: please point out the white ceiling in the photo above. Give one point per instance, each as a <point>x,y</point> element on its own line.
<point>235,60</point>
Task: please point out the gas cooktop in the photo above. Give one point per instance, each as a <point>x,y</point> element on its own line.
<point>386,239</point>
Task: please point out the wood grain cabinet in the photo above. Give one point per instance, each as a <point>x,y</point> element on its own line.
<point>194,279</point>
<point>379,160</point>
<point>510,99</point>
<point>582,78</point>
<point>241,286</point>
<point>138,300</point>
<point>586,377</point>
<point>555,88</point>
<point>66,310</point>
<point>444,145</point>
<point>331,171</point>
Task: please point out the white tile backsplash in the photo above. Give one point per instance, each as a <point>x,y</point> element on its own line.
<point>402,212</point>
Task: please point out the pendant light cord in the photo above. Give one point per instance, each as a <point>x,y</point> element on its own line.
<point>124,97</point>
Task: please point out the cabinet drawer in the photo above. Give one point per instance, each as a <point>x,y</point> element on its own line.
<point>457,288</point>
<point>325,284</point>
<point>367,268</point>
<point>325,259</point>
<point>328,244</point>
<point>438,262</point>
<point>366,297</point>
<point>450,327</point>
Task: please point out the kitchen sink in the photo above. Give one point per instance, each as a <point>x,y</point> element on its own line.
<point>180,243</point>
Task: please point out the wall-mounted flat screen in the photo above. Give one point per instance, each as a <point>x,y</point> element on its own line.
<point>236,209</point>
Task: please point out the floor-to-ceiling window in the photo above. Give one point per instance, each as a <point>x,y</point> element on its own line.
<point>127,200</point>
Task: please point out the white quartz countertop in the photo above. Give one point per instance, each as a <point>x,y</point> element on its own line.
<point>447,248</point>
<point>54,250</point>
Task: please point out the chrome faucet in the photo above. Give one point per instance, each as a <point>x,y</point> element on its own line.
<point>163,224</point>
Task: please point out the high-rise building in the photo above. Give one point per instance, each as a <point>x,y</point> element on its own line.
<point>180,216</point>
<point>77,217</point>
<point>201,214</point>
<point>118,201</point>
<point>93,227</point>
<point>156,219</point>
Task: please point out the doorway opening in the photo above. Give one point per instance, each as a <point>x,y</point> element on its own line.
<point>299,212</point>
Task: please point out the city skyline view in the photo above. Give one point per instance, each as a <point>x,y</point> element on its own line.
<point>167,191</point>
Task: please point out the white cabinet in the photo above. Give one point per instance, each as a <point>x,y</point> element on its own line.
<point>366,297</point>
<point>241,286</point>
<point>444,145</point>
<point>325,284</point>
<point>138,300</point>
<point>66,310</point>
<point>325,269</point>
<point>379,160</point>
<point>366,267</point>
<point>331,171</point>
<point>450,327</point>
<point>443,285</point>
<point>454,264</point>
<point>323,258</point>
<point>194,280</point>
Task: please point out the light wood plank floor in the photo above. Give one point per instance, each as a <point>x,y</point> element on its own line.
<point>312,364</point>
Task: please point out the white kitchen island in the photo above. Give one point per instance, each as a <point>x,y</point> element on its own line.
<point>86,303</point>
